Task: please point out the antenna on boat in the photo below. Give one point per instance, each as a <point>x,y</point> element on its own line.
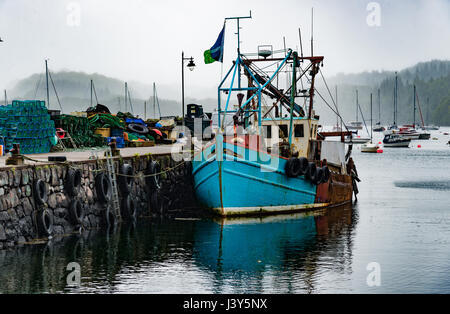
<point>312,31</point>
<point>301,46</point>
<point>48,92</point>
<point>238,19</point>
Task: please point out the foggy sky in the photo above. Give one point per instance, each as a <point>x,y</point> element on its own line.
<point>142,40</point>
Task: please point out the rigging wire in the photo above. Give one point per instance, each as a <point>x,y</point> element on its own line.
<point>54,88</point>
<point>37,86</point>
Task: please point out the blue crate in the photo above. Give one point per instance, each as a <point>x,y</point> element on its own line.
<point>135,121</point>
<point>120,142</point>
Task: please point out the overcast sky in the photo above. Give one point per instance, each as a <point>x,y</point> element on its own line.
<point>143,39</point>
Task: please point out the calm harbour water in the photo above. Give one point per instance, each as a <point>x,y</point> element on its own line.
<point>401,222</point>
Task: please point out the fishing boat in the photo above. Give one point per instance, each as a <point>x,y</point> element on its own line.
<point>370,147</point>
<point>395,140</point>
<point>277,160</point>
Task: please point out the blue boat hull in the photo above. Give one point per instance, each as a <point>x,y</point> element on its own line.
<point>242,181</point>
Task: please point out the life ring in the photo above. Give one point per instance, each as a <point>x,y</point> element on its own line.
<point>293,167</point>
<point>156,203</point>
<point>76,212</point>
<point>311,172</point>
<point>40,192</point>
<point>73,181</point>
<point>318,177</point>
<point>103,187</point>
<point>153,175</point>
<point>326,174</point>
<point>129,208</point>
<point>45,222</point>
<point>125,180</point>
<point>303,166</point>
<point>138,128</point>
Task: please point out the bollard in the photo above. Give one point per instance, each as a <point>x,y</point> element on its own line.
<point>16,159</point>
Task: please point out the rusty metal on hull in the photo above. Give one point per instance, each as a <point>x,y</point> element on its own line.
<point>338,190</point>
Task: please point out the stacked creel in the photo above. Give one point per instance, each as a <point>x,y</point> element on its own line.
<point>27,123</point>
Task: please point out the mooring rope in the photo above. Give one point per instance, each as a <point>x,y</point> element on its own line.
<point>70,165</point>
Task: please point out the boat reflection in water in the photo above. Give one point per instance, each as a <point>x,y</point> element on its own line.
<point>282,254</point>
<point>285,254</point>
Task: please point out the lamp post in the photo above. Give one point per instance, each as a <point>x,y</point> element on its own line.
<point>191,66</point>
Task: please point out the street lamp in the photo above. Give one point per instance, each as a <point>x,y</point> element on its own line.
<point>191,66</point>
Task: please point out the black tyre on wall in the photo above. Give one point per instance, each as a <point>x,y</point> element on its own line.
<point>156,203</point>
<point>73,181</point>
<point>153,179</point>
<point>76,212</point>
<point>129,208</point>
<point>45,222</point>
<point>103,187</point>
<point>125,180</point>
<point>40,192</point>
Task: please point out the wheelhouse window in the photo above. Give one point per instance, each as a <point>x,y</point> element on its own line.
<point>283,131</point>
<point>299,131</point>
<point>268,131</point>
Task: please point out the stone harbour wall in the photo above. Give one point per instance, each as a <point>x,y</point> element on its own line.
<point>20,210</point>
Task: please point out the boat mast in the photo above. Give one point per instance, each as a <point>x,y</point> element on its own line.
<point>371,123</point>
<point>379,107</point>
<point>238,18</point>
<point>48,92</point>
<point>357,102</point>
<point>414,111</point>
<point>395,99</point>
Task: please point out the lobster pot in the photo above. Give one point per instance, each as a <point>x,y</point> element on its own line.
<point>27,123</point>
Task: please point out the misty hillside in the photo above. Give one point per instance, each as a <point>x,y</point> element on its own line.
<point>73,90</point>
<point>432,80</point>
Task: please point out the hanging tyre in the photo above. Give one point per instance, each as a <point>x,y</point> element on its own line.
<point>45,222</point>
<point>109,217</point>
<point>156,203</point>
<point>153,175</point>
<point>292,167</point>
<point>103,187</point>
<point>40,192</point>
<point>303,165</point>
<point>188,168</point>
<point>326,174</point>
<point>125,180</point>
<point>311,172</point>
<point>76,212</point>
<point>318,177</point>
<point>73,181</point>
<point>138,128</point>
<point>129,209</point>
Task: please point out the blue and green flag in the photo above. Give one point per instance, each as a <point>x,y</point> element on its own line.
<point>216,52</point>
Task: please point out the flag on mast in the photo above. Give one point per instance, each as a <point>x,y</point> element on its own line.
<point>216,52</point>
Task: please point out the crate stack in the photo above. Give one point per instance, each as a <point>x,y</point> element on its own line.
<point>27,123</point>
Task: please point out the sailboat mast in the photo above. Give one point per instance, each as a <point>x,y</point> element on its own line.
<point>395,99</point>
<point>357,105</point>
<point>379,106</point>
<point>48,91</point>
<point>414,111</point>
<point>6,99</point>
<point>126,95</point>
<point>371,123</point>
